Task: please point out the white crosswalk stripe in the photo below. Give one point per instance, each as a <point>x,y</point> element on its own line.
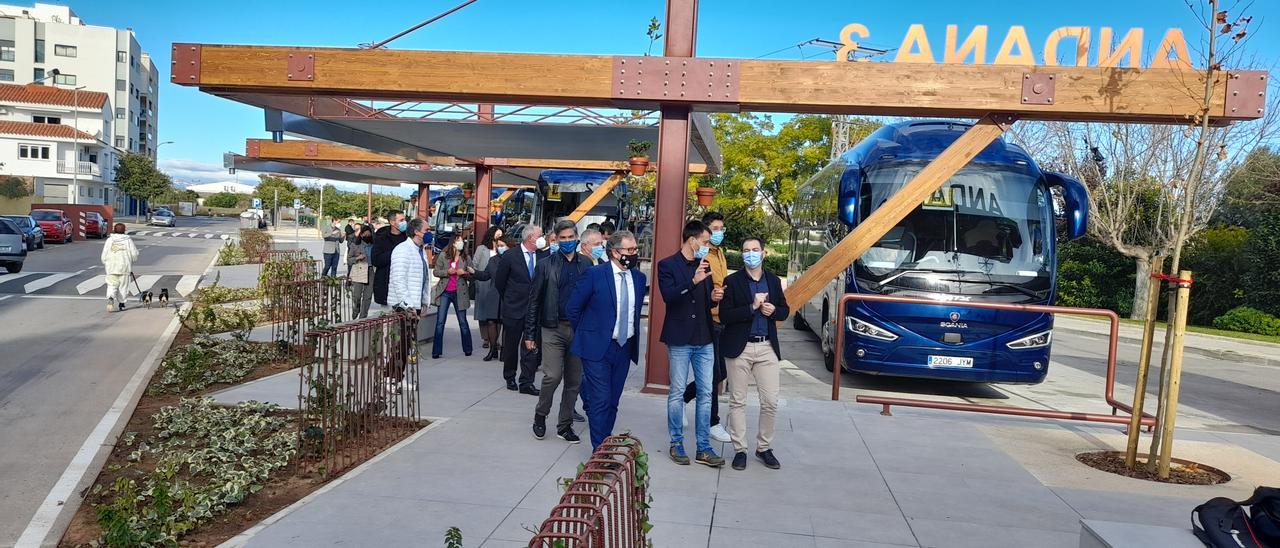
<point>91,284</point>
<point>144,283</point>
<point>47,281</point>
<point>187,284</point>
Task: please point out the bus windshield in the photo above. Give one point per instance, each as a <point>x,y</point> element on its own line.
<point>985,235</point>
<point>450,214</point>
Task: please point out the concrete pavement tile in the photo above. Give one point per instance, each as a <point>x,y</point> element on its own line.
<point>960,534</point>
<point>722,537</point>
<point>816,448</point>
<point>759,515</point>
<point>520,525</point>
<point>860,526</point>
<point>450,477</point>
<point>1131,507</point>
<point>1267,446</point>
<point>860,490</point>
<point>677,535</point>
<point>675,508</point>
<point>823,542</point>
<point>981,501</point>
<point>962,461</point>
<point>408,524</point>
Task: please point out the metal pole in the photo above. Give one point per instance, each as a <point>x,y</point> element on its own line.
<point>275,214</point>
<point>1175,375</point>
<point>369,214</point>
<point>321,210</point>
<point>1144,362</point>
<point>75,138</point>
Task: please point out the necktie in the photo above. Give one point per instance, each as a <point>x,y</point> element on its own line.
<point>624,310</point>
<point>531,263</point>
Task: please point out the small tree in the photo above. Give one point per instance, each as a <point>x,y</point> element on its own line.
<point>222,199</point>
<point>137,176</point>
<point>269,184</point>
<point>14,187</point>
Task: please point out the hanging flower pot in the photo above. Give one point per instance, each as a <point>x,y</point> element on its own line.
<point>639,164</point>
<point>705,196</point>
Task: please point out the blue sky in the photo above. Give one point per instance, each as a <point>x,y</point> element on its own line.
<point>203,127</point>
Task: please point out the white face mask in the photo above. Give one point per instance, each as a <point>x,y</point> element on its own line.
<point>458,245</point>
<point>540,243</point>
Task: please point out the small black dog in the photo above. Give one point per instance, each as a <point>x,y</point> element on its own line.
<point>164,296</point>
<point>146,298</point>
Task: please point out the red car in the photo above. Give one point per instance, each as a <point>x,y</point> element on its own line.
<point>95,226</point>
<point>57,227</point>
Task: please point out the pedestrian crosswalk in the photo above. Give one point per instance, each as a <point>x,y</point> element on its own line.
<point>85,283</point>
<point>183,234</point>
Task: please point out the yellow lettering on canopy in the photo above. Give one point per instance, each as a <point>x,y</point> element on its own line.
<point>1081,35</point>
<point>976,43</point>
<point>846,39</point>
<point>1130,48</point>
<point>1017,37</point>
<point>915,37</point>
<point>1176,43</point>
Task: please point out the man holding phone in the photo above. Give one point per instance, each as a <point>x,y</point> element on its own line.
<point>684,279</point>
<point>719,269</point>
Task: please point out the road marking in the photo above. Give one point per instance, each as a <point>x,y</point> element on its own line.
<point>187,284</point>
<point>210,236</point>
<point>12,277</point>
<point>4,297</point>
<point>65,297</point>
<point>91,284</point>
<point>63,492</point>
<point>193,235</point>
<point>157,233</point>
<point>47,281</point>
<point>145,282</point>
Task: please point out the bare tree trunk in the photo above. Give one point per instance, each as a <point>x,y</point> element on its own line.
<point>1141,286</point>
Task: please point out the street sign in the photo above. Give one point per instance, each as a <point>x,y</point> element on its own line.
<point>257,203</point>
<point>297,203</point>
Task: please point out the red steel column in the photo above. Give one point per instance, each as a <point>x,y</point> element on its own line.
<point>672,187</point>
<point>424,201</point>
<point>484,183</point>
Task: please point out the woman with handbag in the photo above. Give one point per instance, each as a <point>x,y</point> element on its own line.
<point>454,269</point>
<point>360,272</point>
<point>486,298</point>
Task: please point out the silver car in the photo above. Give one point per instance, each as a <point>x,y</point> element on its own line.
<point>163,217</point>
<point>13,246</point>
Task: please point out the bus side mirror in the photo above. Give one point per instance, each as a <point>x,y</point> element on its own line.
<point>849,196</point>
<point>1076,198</point>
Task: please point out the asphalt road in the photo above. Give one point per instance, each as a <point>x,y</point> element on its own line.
<point>1216,395</point>
<point>64,359</point>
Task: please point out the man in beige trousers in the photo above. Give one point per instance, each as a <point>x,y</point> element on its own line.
<point>753,304</point>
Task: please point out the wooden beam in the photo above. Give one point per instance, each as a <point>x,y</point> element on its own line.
<point>896,208</point>
<point>595,197</point>
<point>319,151</point>
<point>922,90</point>
<point>503,197</point>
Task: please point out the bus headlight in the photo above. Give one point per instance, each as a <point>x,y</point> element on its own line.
<point>1038,340</point>
<point>867,330</point>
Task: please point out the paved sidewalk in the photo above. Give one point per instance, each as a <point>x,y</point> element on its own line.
<point>850,477</point>
<point>1214,346</point>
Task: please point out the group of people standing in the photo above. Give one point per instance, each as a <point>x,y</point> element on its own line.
<point>570,305</point>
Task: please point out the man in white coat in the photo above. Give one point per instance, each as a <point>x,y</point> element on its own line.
<point>408,290</point>
<point>118,256</point>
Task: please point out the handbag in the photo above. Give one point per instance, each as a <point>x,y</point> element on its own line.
<point>471,289</point>
<point>360,273</point>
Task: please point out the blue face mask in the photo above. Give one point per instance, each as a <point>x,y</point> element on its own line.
<point>717,237</point>
<point>403,226</point>
<point>501,249</point>
<point>701,252</point>
<point>753,259</point>
<point>569,246</point>
<point>597,253</point>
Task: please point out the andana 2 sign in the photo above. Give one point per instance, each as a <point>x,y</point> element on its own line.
<point>1015,48</point>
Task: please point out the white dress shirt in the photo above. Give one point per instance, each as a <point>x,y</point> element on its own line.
<point>620,284</point>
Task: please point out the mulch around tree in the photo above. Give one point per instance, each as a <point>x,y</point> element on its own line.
<point>1181,472</point>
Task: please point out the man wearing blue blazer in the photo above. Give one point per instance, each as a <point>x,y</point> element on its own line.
<point>604,312</point>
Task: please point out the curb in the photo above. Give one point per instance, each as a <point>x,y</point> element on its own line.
<point>63,501</point>
<point>1225,355</point>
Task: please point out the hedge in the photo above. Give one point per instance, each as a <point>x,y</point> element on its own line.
<point>1248,320</point>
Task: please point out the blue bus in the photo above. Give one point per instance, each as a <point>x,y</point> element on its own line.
<point>989,234</point>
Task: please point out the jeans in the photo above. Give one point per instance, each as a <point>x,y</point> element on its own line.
<point>330,265</point>
<point>683,360</point>
<point>442,313</point>
<point>718,376</point>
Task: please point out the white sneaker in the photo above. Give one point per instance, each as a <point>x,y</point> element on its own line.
<point>111,304</point>
<point>719,434</point>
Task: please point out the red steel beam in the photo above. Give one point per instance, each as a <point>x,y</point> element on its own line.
<point>484,183</point>
<point>672,188</point>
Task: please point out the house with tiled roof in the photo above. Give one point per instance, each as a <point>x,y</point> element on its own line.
<point>58,138</point>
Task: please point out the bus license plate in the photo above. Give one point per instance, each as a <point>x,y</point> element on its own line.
<point>950,361</point>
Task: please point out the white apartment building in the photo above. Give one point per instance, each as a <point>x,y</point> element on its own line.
<point>58,139</point>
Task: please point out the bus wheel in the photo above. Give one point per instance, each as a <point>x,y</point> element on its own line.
<point>829,359</point>
<point>799,323</point>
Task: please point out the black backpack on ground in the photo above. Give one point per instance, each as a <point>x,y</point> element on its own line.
<point>1225,523</point>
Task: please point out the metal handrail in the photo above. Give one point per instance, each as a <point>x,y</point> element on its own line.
<point>605,505</point>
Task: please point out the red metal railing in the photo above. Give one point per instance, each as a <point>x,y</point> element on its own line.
<point>606,505</point>
<point>1109,393</point>
<point>297,307</point>
<point>357,390</point>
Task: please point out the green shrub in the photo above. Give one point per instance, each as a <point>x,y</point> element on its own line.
<point>222,199</point>
<point>1248,320</point>
<point>1220,266</point>
<point>217,294</point>
<point>231,255</point>
<point>254,242</point>
<point>207,361</point>
<point>14,187</point>
<point>207,319</point>
<point>1092,275</point>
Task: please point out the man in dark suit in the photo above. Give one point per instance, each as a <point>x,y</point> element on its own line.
<point>604,312</point>
<point>384,241</point>
<point>514,280</point>
<point>684,279</point>
<point>753,304</point>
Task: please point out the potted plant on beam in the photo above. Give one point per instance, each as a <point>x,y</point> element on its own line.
<point>705,196</point>
<point>639,151</point>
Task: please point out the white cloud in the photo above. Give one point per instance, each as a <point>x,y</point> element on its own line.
<point>184,172</point>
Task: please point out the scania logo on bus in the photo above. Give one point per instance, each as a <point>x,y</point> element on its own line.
<point>955,322</point>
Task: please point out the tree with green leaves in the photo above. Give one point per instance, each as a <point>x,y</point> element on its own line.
<point>137,176</point>
<point>269,184</point>
<point>222,199</point>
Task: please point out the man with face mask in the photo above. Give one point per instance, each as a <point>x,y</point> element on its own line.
<point>591,246</point>
<point>384,241</point>
<point>553,283</point>
<point>604,312</point>
<point>684,280</point>
<point>514,279</point>
<point>719,269</point>
<point>409,290</point>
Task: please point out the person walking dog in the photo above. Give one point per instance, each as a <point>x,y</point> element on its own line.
<point>118,256</point>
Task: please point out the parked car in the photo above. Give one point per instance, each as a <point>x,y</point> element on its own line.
<point>13,246</point>
<point>56,225</point>
<point>163,217</point>
<point>95,225</point>
<point>35,234</point>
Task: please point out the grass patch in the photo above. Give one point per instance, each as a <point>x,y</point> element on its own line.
<point>1195,329</point>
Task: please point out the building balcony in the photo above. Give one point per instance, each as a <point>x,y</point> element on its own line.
<point>84,168</point>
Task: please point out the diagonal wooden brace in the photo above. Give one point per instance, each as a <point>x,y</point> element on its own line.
<point>595,197</point>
